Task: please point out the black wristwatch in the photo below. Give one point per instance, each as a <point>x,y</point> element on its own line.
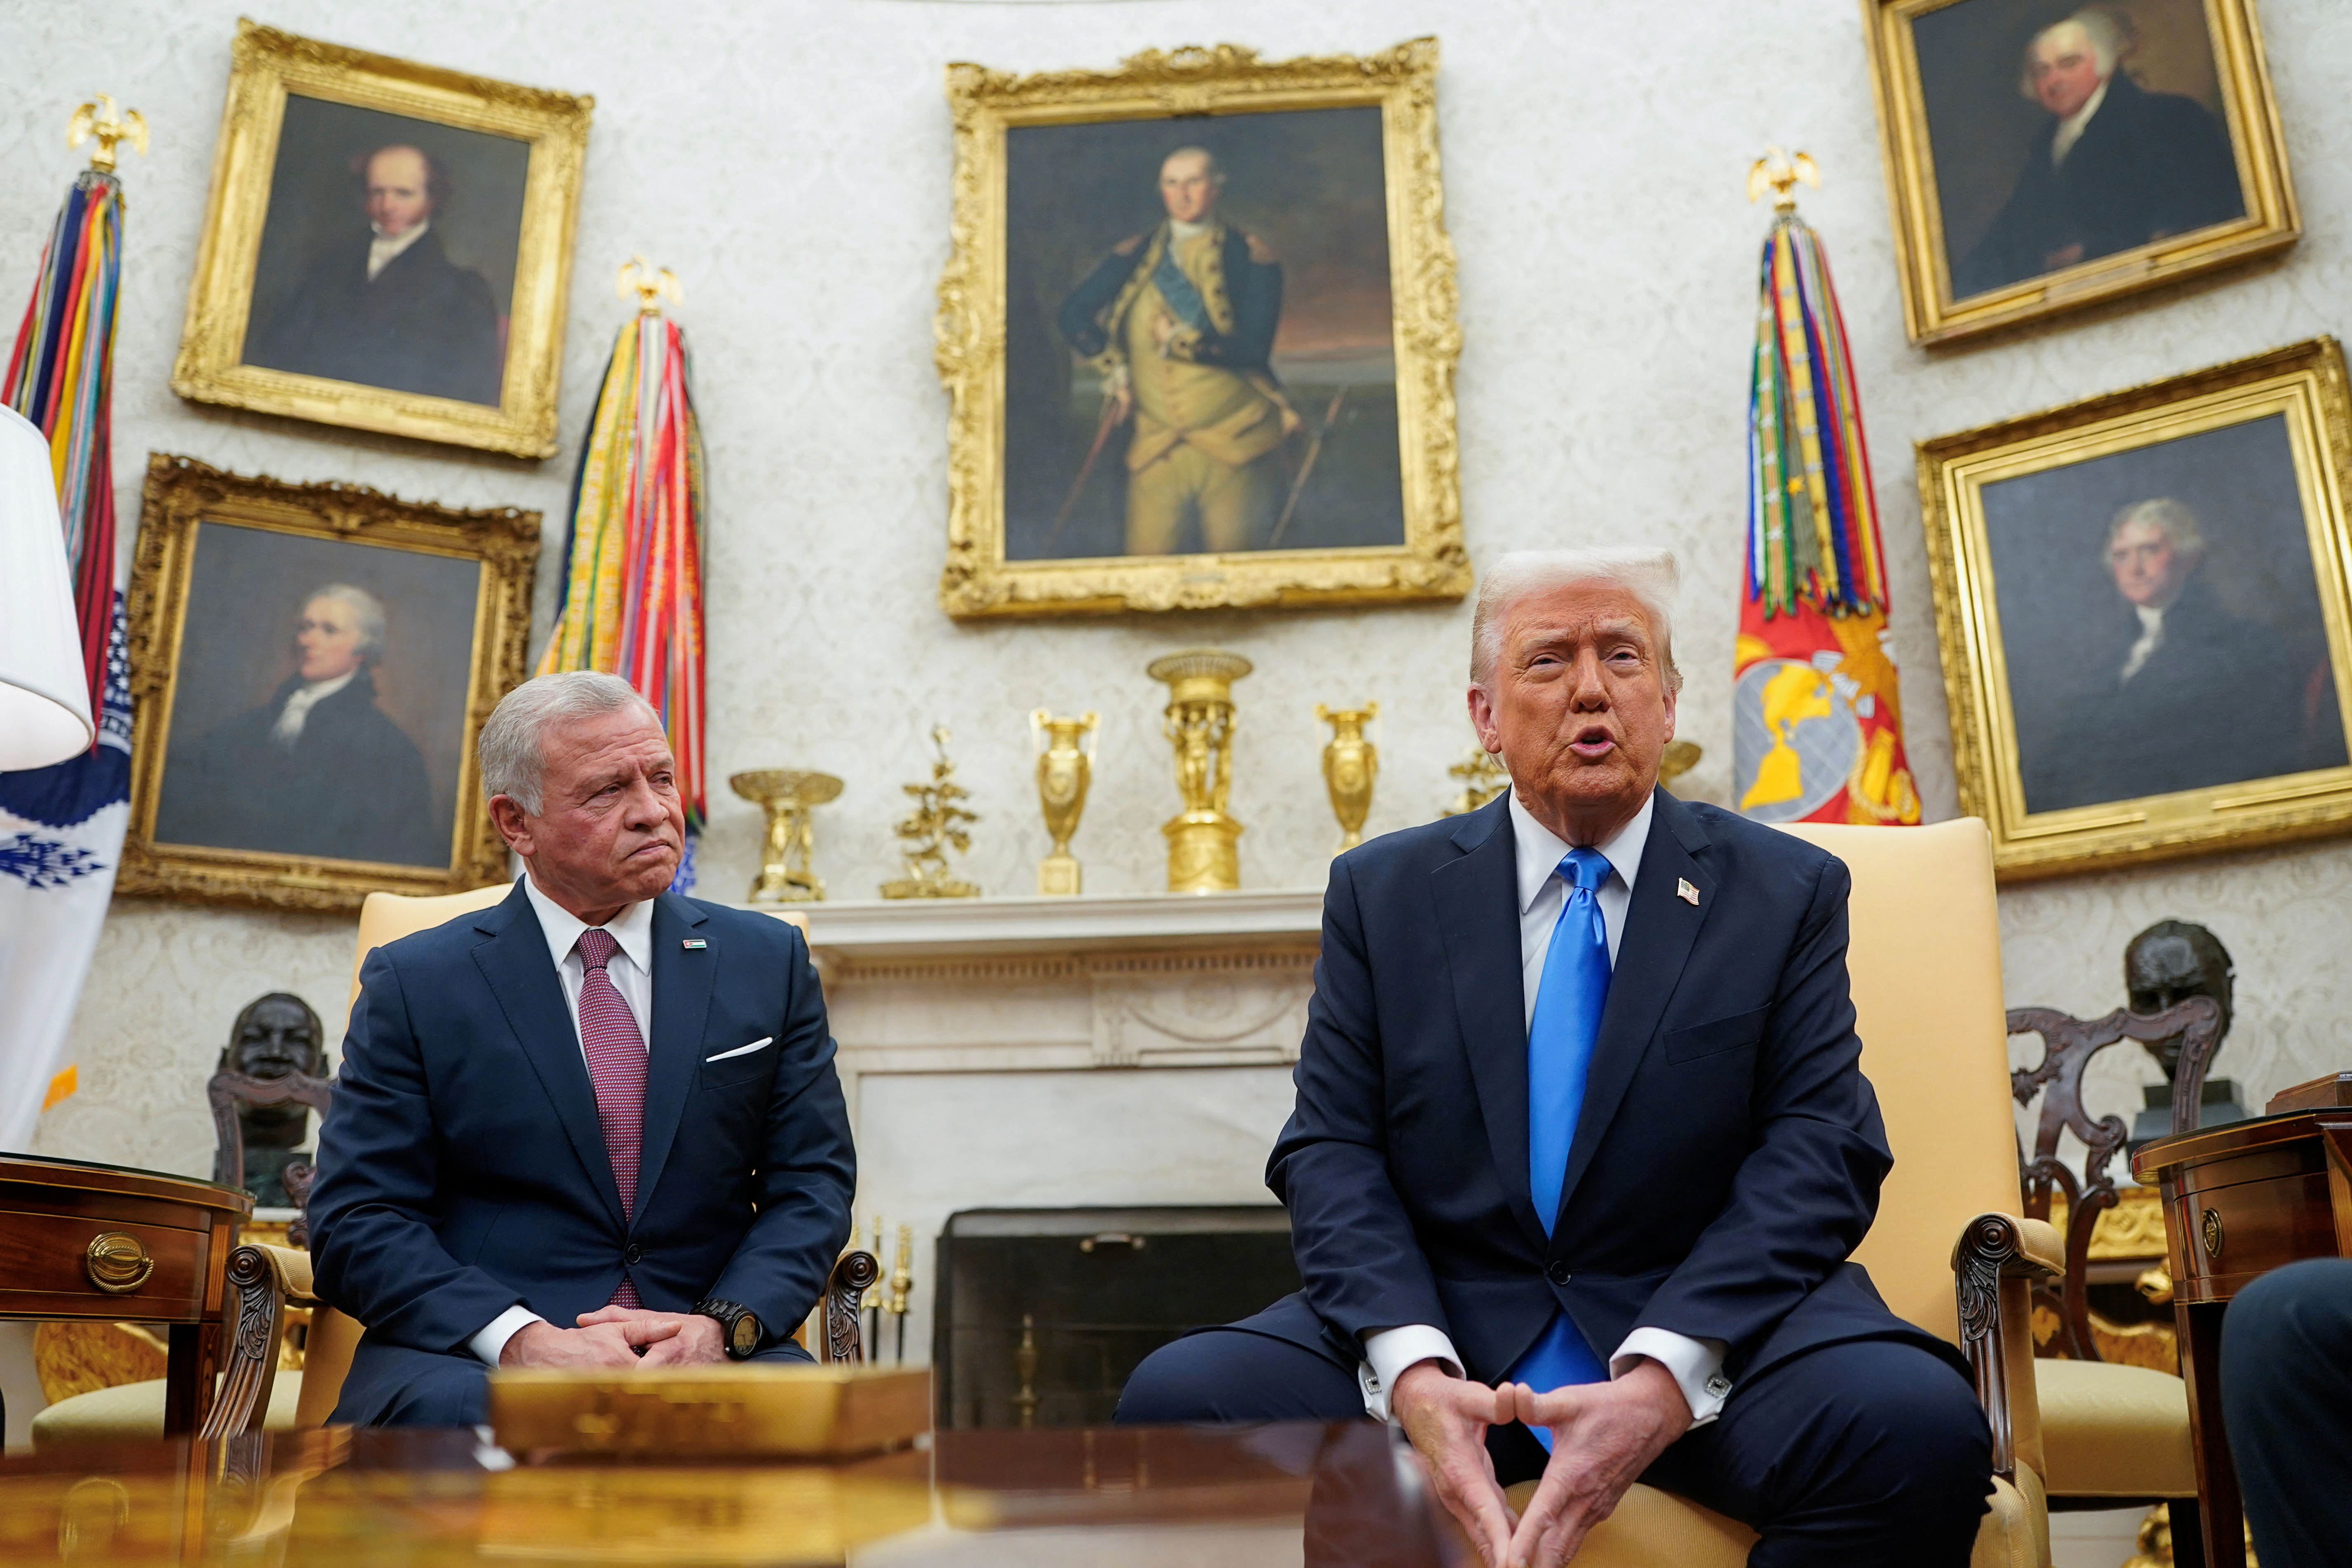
<point>737,1323</point>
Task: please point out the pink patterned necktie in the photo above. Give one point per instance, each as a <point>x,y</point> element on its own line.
<point>617,1064</point>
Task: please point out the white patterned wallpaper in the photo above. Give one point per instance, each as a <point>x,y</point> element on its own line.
<point>790,161</point>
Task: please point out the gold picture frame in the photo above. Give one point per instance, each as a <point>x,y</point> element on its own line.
<point>373,787</point>
<point>2216,501</point>
<point>1376,538</point>
<point>1970,79</point>
<point>521,150</point>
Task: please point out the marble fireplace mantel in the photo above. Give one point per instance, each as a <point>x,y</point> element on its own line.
<point>1059,1052</point>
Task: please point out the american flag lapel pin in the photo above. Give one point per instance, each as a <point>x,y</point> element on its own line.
<point>1685,892</point>
<point>695,944</point>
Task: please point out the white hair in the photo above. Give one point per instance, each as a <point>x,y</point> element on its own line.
<point>2103,30</point>
<point>1652,577</point>
<point>2168,517</point>
<point>367,613</point>
<point>1215,171</point>
<point>513,744</point>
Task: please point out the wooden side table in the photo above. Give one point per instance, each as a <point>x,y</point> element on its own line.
<point>105,1243</point>
<point>2239,1201</point>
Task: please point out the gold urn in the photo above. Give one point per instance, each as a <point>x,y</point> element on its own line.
<point>1203,843</point>
<point>1066,766</point>
<point>1350,763</point>
<point>787,795</point>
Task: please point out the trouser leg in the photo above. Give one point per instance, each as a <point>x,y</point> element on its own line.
<point>1221,1375</point>
<point>1160,499</point>
<point>1870,1452</point>
<point>395,1386</point>
<point>1238,505</point>
<point>2286,1398</point>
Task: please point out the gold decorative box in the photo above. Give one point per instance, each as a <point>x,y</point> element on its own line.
<point>794,1412</point>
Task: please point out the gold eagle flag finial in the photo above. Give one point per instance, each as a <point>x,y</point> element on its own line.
<point>98,119</point>
<point>1778,172</point>
<point>638,276</point>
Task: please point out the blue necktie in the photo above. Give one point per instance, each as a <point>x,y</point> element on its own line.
<point>1569,1002</point>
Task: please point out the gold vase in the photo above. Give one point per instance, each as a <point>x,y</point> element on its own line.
<point>1065,768</point>
<point>787,795</point>
<point>1203,843</point>
<point>1350,763</point>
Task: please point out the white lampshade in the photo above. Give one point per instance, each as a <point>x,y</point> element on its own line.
<point>43,694</point>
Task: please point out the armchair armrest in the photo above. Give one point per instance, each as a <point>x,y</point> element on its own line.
<point>854,1274</point>
<point>262,1282</point>
<point>1997,1257</point>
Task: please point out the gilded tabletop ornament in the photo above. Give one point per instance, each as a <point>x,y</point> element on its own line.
<point>1350,765</point>
<point>1203,843</point>
<point>1065,765</point>
<point>1679,758</point>
<point>1482,778</point>
<point>936,824</point>
<point>788,796</point>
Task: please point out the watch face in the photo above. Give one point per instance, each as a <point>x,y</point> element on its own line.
<point>744,1337</point>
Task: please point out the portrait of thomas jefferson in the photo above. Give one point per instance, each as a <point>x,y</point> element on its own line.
<point>2114,165</point>
<point>2180,694</point>
<point>380,303</point>
<point>318,769</point>
<point>1180,321</point>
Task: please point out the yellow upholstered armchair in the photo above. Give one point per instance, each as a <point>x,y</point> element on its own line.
<point>1950,1251</point>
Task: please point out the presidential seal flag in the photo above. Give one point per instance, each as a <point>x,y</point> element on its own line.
<point>1817,727</point>
<point>61,827</point>
<point>631,600</point>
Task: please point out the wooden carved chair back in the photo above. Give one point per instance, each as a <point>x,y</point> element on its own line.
<point>2068,1045</point>
<point>228,1091</point>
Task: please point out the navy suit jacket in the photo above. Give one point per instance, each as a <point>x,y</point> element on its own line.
<point>462,1168</point>
<point>1729,1150</point>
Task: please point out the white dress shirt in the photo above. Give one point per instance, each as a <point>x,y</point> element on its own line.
<point>1696,1365</point>
<point>2070,129</point>
<point>631,970</point>
<point>2151,638</point>
<point>383,247</point>
<point>296,711</point>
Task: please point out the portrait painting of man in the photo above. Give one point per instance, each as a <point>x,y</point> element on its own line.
<point>1197,348</point>
<point>2160,621</point>
<point>320,699</point>
<point>388,253</point>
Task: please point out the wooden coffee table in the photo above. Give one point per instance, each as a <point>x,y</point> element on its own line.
<point>2239,1201</point>
<point>115,1245</point>
<point>341,1498</point>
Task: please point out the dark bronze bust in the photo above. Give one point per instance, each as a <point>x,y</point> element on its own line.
<point>275,1050</point>
<point>2170,961</point>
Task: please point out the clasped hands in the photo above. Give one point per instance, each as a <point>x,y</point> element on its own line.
<point>1605,1435</point>
<point>618,1336</point>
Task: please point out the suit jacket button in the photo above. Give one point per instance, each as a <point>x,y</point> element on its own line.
<point>1557,1272</point>
<point>632,1254</point>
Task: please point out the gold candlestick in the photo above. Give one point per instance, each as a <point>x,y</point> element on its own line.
<point>1203,843</point>
<point>1064,771</point>
<point>1350,763</point>
<point>787,794</point>
<point>936,824</point>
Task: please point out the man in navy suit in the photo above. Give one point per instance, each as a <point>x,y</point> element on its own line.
<point>595,1125</point>
<point>1580,1081</point>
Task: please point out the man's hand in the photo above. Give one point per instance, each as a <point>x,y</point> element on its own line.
<point>609,1342</point>
<point>1605,1435</point>
<point>1447,1417</point>
<point>671,1339</point>
<point>1119,406</point>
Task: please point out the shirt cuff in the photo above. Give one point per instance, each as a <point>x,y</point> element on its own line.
<point>493,1337</point>
<point>1696,1365</point>
<point>1390,1353</point>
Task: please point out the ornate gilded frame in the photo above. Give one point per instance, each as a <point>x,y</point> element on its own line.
<point>2306,384</point>
<point>266,65</point>
<point>1931,313</point>
<point>182,492</point>
<point>978,581</point>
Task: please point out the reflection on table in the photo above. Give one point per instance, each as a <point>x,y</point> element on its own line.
<point>345,1499</point>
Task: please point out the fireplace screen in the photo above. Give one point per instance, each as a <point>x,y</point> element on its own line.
<point>1042,1313</point>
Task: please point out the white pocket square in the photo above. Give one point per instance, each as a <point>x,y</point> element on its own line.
<point>743,1050</point>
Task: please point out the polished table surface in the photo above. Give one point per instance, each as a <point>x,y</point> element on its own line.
<point>2240,1200</point>
<point>1236,1497</point>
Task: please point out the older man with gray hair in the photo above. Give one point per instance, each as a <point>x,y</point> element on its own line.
<point>1582,1144</point>
<point>596,1124</point>
<point>2115,166</point>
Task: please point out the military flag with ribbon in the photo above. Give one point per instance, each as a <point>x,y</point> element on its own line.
<point>1817,727</point>
<point>61,827</point>
<point>631,600</point>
